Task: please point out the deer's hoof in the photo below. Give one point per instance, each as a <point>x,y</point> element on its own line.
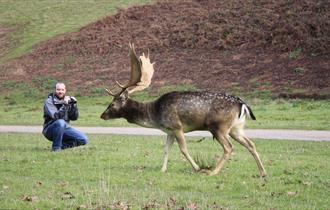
<point>212,173</point>
<point>205,171</point>
<point>163,170</point>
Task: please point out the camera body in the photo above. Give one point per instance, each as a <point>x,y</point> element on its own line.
<point>72,100</point>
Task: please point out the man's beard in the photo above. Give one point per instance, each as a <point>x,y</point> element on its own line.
<point>61,97</point>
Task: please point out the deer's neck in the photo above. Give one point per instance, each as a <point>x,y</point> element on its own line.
<point>139,113</point>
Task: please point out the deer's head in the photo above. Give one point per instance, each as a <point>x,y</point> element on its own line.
<point>140,78</point>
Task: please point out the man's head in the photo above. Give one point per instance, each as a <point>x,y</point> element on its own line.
<point>60,90</point>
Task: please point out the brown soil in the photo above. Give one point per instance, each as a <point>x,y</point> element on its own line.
<point>232,45</point>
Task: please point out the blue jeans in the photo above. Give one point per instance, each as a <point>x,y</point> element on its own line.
<point>63,136</point>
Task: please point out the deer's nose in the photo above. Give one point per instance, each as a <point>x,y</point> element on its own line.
<point>103,116</point>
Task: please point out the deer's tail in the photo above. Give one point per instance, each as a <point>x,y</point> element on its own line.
<point>246,110</point>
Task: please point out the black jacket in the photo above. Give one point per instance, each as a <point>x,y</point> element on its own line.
<point>54,109</point>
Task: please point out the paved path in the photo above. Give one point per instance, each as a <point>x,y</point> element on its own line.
<point>307,135</point>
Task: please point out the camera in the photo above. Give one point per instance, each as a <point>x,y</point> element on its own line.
<point>72,100</point>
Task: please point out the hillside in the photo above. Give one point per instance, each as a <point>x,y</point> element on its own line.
<point>278,47</point>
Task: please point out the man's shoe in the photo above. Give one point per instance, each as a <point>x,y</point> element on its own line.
<point>56,150</point>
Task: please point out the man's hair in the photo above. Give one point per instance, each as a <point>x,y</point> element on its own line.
<point>57,83</point>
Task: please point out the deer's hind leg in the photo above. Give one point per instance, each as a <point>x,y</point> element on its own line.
<point>238,134</point>
<point>183,147</point>
<point>222,138</point>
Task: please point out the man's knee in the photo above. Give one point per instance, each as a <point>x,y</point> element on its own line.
<point>84,140</point>
<point>60,123</point>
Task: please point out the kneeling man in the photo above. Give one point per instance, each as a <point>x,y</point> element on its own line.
<point>59,109</point>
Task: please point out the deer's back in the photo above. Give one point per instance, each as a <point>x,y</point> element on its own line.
<point>195,110</point>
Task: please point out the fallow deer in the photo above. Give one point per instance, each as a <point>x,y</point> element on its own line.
<point>176,113</point>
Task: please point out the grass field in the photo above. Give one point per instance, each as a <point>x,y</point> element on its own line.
<point>115,171</point>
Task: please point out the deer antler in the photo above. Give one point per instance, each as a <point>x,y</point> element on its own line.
<point>141,73</point>
<point>109,92</point>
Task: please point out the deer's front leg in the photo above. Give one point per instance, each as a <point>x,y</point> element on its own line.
<point>183,147</point>
<point>167,149</point>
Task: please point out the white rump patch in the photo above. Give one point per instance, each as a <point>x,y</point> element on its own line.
<point>244,111</point>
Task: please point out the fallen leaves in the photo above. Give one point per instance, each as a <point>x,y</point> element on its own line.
<point>307,183</point>
<point>289,193</point>
<point>63,183</point>
<point>120,205</point>
<point>292,193</point>
<point>29,198</point>
<point>82,206</point>
<point>140,168</point>
<point>39,183</point>
<point>172,203</point>
<point>192,206</point>
<point>270,162</point>
<point>151,205</point>
<point>67,195</point>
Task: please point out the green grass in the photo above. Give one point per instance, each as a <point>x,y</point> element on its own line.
<point>121,169</point>
<point>26,108</point>
<point>36,21</point>
<point>290,114</point>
